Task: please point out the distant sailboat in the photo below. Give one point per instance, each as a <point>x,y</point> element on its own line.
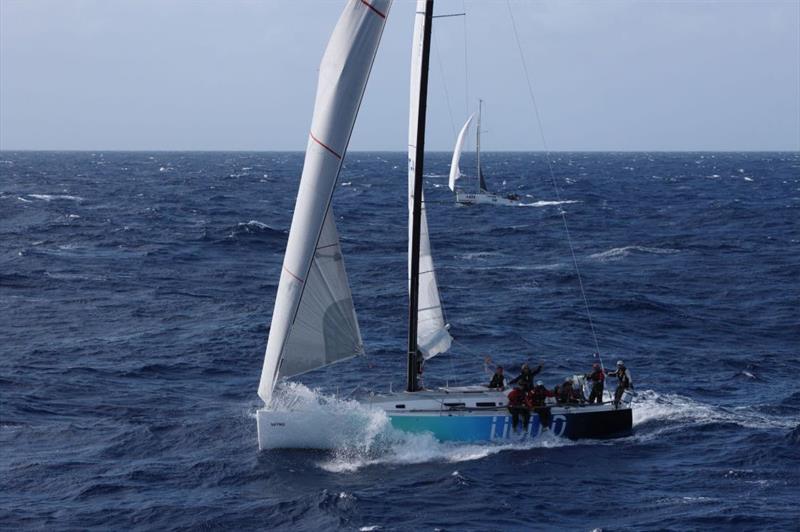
<point>482,194</point>
<point>314,322</point>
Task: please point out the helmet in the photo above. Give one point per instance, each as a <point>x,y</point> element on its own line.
<point>596,365</point>
<point>539,383</point>
<point>620,363</point>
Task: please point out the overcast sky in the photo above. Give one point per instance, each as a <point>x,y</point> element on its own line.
<point>241,75</point>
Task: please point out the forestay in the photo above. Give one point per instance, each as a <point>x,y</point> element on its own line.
<point>432,335</point>
<point>313,322</point>
<point>455,170</point>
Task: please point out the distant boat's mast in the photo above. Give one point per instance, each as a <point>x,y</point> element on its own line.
<point>413,295</point>
<point>478,146</point>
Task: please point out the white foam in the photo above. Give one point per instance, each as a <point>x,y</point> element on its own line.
<point>51,197</point>
<point>649,406</point>
<point>620,253</point>
<point>546,203</point>
<point>256,223</point>
<point>371,439</point>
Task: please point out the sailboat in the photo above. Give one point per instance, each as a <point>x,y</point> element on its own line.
<point>314,321</point>
<point>481,194</point>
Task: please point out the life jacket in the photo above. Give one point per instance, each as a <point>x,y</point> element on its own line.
<point>597,376</point>
<point>516,397</point>
<point>623,378</point>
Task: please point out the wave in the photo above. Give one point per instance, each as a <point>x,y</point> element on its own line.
<point>620,253</point>
<point>650,406</point>
<point>547,203</point>
<point>51,197</point>
<point>253,228</point>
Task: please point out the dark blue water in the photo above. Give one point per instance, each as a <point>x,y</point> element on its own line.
<point>136,290</point>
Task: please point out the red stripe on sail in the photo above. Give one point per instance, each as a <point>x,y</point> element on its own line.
<point>293,275</point>
<point>382,15</point>
<point>325,146</point>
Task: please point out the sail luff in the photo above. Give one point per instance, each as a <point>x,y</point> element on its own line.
<point>343,75</point>
<point>455,169</point>
<point>432,336</point>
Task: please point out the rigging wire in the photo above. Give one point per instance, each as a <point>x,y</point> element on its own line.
<point>466,72</point>
<point>555,184</point>
<point>444,83</point>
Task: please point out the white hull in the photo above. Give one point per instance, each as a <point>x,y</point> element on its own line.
<point>483,198</point>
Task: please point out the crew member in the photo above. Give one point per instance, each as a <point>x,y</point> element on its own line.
<point>526,376</point>
<point>567,394</point>
<point>624,381</point>
<point>597,378</point>
<point>519,405</point>
<point>498,381</point>
<point>538,398</point>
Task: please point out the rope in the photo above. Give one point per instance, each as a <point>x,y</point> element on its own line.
<point>553,180</point>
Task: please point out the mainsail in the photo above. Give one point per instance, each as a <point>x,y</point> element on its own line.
<point>432,335</point>
<point>314,322</point>
<point>455,170</point>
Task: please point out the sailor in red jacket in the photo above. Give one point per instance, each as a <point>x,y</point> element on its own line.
<point>519,405</point>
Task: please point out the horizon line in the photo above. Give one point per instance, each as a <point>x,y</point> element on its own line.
<point>115,150</point>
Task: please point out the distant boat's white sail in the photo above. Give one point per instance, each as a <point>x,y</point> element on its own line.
<point>313,322</point>
<point>455,170</point>
<point>432,335</point>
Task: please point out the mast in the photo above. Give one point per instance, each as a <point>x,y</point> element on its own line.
<point>413,295</point>
<point>478,145</point>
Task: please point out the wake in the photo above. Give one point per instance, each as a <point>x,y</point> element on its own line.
<point>369,439</point>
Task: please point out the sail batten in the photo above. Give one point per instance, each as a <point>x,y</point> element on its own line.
<point>314,321</point>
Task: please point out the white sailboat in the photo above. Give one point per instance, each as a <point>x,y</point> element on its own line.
<point>481,195</point>
<point>314,322</point>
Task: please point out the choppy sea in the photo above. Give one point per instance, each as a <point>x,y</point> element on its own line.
<point>135,297</point>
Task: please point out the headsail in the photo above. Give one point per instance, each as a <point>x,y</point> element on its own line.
<point>326,328</point>
<point>313,322</point>
<point>455,170</point>
<point>432,335</point>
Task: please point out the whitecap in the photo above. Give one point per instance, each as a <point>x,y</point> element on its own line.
<point>619,253</point>
<point>51,197</point>
<point>547,203</point>
<point>649,406</point>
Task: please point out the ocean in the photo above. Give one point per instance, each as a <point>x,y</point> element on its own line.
<point>135,297</point>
